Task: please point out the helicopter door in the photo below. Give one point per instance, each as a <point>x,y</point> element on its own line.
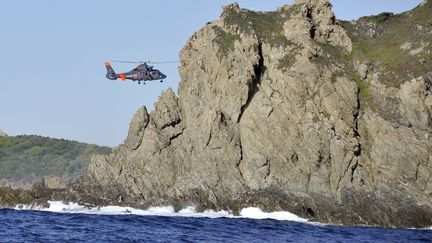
<point>145,75</point>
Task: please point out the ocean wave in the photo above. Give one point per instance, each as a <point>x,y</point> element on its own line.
<point>168,211</point>
<point>257,213</point>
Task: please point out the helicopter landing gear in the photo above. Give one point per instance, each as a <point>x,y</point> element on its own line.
<point>139,82</point>
<point>161,81</point>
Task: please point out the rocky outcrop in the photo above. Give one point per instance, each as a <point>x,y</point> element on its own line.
<point>285,110</point>
<point>280,110</point>
<point>316,21</point>
<point>416,104</point>
<point>138,124</point>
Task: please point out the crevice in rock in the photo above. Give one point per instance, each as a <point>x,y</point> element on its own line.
<point>172,138</point>
<point>176,135</point>
<point>266,165</point>
<point>241,153</point>
<point>121,171</point>
<point>309,13</point>
<point>330,173</point>
<point>239,162</point>
<point>312,31</point>
<point>259,70</point>
<point>357,117</point>
<point>310,212</point>
<point>358,149</point>
<point>209,138</point>
<point>353,168</point>
<point>171,124</point>
<point>270,112</point>
<point>319,161</point>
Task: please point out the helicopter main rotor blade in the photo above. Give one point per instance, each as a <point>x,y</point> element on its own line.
<point>150,62</point>
<point>125,61</point>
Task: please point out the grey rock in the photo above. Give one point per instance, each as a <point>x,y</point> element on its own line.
<point>2,134</point>
<point>54,182</point>
<point>322,22</point>
<point>416,104</point>
<point>136,128</point>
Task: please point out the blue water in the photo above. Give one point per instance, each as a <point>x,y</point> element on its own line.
<point>38,226</point>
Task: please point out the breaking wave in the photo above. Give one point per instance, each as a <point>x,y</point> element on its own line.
<point>168,211</point>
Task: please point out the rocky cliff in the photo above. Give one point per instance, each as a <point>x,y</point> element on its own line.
<point>287,110</point>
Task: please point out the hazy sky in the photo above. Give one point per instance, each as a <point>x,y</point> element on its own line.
<point>53,81</point>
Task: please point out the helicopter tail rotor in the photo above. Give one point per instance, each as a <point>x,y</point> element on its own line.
<point>111,74</point>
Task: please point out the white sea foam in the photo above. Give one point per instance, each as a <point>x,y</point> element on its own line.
<point>168,211</point>
<point>256,213</point>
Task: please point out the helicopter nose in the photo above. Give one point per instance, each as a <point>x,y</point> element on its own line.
<point>163,76</point>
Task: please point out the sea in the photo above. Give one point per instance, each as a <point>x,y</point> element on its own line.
<point>74,223</point>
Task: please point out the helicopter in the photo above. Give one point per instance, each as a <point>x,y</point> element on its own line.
<point>142,73</point>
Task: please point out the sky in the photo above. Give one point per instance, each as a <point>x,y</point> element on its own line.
<point>52,55</point>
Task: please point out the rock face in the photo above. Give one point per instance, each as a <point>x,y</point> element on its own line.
<point>53,182</point>
<point>287,110</point>
<point>2,134</point>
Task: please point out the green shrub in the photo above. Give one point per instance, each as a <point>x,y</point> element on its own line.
<point>35,151</point>
<point>378,39</point>
<point>225,40</point>
<point>268,26</point>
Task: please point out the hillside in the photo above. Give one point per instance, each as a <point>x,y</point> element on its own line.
<point>27,159</point>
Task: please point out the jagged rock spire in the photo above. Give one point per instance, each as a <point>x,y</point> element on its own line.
<point>319,20</point>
